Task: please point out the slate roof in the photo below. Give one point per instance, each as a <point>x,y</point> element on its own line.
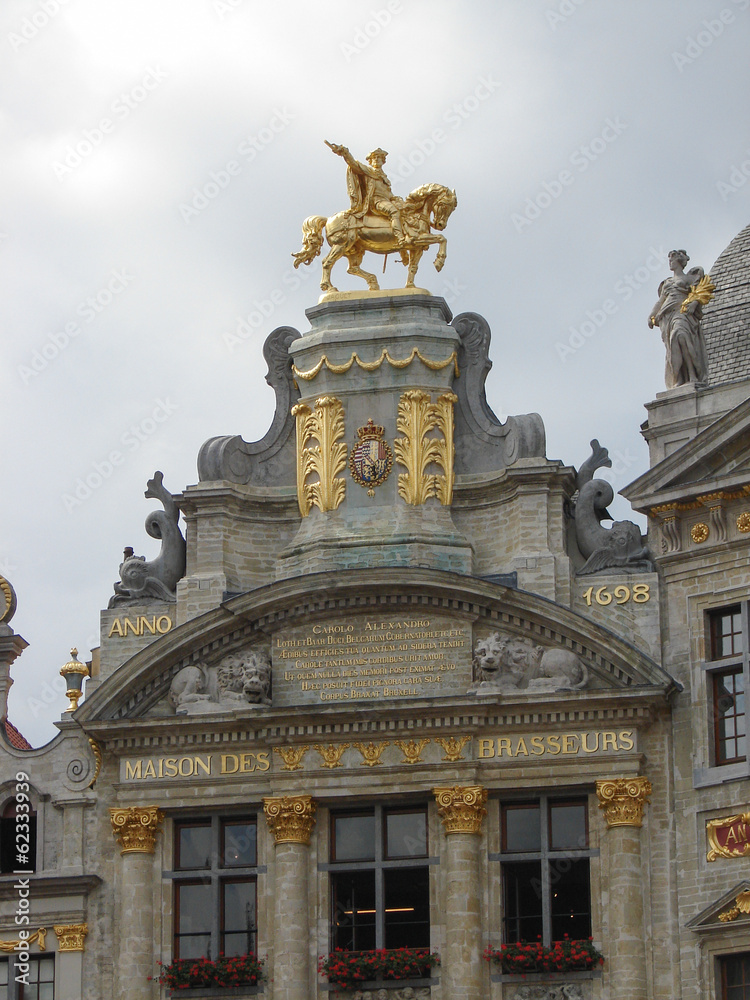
<point>726,322</point>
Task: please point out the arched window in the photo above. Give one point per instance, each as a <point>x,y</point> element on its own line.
<point>17,839</point>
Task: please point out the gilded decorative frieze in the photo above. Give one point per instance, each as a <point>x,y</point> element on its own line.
<point>452,747</point>
<point>292,756</point>
<point>371,366</point>
<point>417,417</point>
<point>623,800</point>
<point>326,424</point>
<point>331,755</point>
<point>136,828</point>
<point>39,936</point>
<point>699,532</point>
<point>741,906</point>
<point>71,937</point>
<point>462,808</point>
<point>291,818</point>
<point>412,750</point>
<point>371,752</point>
<point>728,837</point>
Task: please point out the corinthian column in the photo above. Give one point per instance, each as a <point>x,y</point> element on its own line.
<point>291,820</point>
<point>623,801</point>
<point>136,829</point>
<point>462,810</point>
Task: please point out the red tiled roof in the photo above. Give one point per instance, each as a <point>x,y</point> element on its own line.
<point>15,738</point>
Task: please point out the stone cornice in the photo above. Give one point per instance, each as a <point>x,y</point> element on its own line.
<point>492,488</point>
<point>245,503</point>
<point>44,886</point>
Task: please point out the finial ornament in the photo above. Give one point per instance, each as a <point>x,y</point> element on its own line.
<point>378,221</point>
<point>462,808</point>
<point>136,828</point>
<point>678,313</point>
<point>291,818</point>
<point>74,673</point>
<point>623,799</point>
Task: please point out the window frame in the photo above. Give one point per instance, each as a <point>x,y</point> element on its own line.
<point>9,822</point>
<point>17,991</point>
<point>545,855</point>
<point>716,666</point>
<point>216,875</point>
<point>379,864</point>
<point>721,972</point>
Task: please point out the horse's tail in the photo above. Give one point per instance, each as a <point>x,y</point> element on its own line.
<point>312,240</point>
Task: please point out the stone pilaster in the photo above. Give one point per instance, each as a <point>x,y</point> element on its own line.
<point>291,820</point>
<point>136,828</point>
<point>623,801</point>
<point>462,810</point>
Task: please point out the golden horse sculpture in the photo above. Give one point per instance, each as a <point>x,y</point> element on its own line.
<point>378,221</point>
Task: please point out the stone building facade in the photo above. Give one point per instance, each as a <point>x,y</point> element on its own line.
<point>401,687</point>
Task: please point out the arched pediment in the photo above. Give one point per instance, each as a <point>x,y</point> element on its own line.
<point>390,634</point>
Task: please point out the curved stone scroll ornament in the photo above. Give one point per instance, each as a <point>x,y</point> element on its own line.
<point>155,580</point>
<point>507,664</point>
<point>326,424</point>
<point>270,461</point>
<point>621,548</point>
<point>483,443</point>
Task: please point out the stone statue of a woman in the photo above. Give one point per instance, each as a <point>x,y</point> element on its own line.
<point>678,315</point>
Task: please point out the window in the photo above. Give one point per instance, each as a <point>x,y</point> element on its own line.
<point>735,977</point>
<point>380,889</point>
<point>216,867</point>
<point>41,979</point>
<point>11,838</point>
<point>545,870</point>
<point>727,663</point>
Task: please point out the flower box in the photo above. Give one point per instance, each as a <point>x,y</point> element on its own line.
<point>237,976</point>
<point>524,957</point>
<point>349,970</point>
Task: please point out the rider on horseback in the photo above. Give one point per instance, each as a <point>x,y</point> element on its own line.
<point>370,190</point>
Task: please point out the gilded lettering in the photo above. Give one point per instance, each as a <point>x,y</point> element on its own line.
<point>609,741</point>
<point>133,770</point>
<point>731,835</point>
<point>145,624</point>
<point>116,628</point>
<point>585,742</point>
<point>163,624</point>
<point>170,767</point>
<point>133,627</point>
<point>226,758</point>
<point>570,743</point>
<point>521,747</point>
<point>149,771</point>
<point>486,748</point>
<point>204,765</point>
<point>553,745</point>
<point>503,743</point>
<point>626,739</point>
<point>263,762</point>
<point>537,745</point>
<point>189,763</point>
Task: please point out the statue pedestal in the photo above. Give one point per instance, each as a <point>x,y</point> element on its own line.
<point>391,360</point>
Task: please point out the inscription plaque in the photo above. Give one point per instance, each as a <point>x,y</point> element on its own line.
<point>366,658</point>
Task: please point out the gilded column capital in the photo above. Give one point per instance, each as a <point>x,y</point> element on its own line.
<point>461,808</point>
<point>623,799</point>
<point>291,818</point>
<point>136,828</point>
<point>71,937</point>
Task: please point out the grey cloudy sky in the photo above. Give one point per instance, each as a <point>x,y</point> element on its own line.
<point>584,140</point>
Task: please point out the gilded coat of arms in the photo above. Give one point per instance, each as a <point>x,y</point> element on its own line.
<point>370,459</point>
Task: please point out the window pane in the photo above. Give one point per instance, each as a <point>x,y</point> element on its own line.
<point>406,835</point>
<point>194,913</point>
<point>354,838</point>
<point>735,977</point>
<point>3,972</point>
<point>726,633</point>
<point>407,908</point>
<point>239,847</point>
<point>522,901</point>
<point>571,910</point>
<point>567,826</point>
<point>238,935</point>
<point>193,847</point>
<point>729,711</point>
<point>353,910</point>
<point>522,828</point>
